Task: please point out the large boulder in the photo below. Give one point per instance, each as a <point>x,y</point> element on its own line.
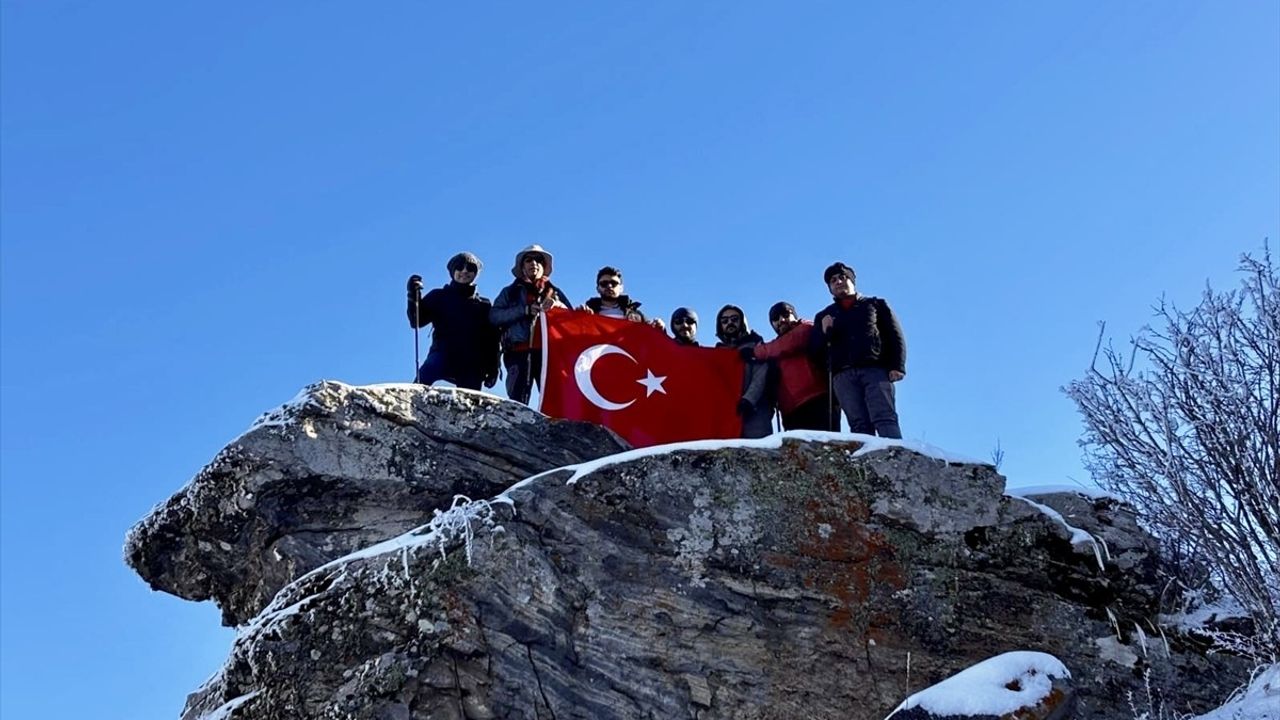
<point>808,576</point>
<point>337,469</point>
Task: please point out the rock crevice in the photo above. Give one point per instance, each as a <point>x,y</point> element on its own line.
<point>785,578</point>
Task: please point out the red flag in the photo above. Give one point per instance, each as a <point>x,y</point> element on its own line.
<point>637,381</point>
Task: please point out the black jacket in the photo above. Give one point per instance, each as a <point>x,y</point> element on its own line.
<point>630,308</point>
<point>509,312</point>
<point>462,332</point>
<point>865,334</point>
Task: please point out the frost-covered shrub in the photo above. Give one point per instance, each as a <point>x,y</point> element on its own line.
<point>1185,425</point>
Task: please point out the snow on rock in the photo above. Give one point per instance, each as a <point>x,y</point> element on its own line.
<point>1198,613</point>
<point>224,711</point>
<point>998,686</point>
<point>869,444</point>
<point>337,469</point>
<point>712,579</point>
<point>1259,700</point>
<point>1078,537</point>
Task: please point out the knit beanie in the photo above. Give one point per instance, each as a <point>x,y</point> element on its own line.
<point>781,308</point>
<point>836,268</point>
<point>459,261</point>
<point>684,312</point>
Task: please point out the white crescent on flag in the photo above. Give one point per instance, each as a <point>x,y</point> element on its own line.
<point>582,374</point>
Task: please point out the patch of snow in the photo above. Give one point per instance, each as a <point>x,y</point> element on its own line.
<point>223,712</point>
<point>870,444</point>
<point>1259,700</point>
<point>1198,614</point>
<point>445,526</point>
<point>285,414</point>
<point>1093,493</point>
<point>995,686</point>
<point>282,415</point>
<point>1078,537</point>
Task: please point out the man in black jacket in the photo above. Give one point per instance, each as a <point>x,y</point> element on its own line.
<point>862,340</point>
<point>464,346</point>
<point>612,301</point>
<point>514,312</point>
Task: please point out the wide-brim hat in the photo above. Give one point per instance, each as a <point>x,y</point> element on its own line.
<point>547,259</point>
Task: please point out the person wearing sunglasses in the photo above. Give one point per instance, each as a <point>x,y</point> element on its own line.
<point>516,310</point>
<point>464,345</point>
<point>862,340</point>
<point>684,327</point>
<point>612,301</point>
<point>758,377</point>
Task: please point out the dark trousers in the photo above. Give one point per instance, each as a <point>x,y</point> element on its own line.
<point>813,415</point>
<point>524,368</point>
<point>867,397</point>
<point>435,368</point>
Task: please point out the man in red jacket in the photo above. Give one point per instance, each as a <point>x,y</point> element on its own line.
<point>802,387</point>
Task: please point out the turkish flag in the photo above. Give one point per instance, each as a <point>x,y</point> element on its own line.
<point>637,381</point>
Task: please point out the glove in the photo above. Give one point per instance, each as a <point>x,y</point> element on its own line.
<point>414,286</point>
<point>748,353</point>
<point>745,407</point>
<point>491,380</point>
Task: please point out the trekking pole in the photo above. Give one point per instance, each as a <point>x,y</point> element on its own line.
<point>831,391</point>
<point>417,302</point>
<point>526,383</point>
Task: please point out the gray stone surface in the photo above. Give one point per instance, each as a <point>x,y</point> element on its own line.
<point>730,583</point>
<point>337,469</point>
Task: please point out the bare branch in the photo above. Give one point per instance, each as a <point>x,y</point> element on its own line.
<point>1187,429</point>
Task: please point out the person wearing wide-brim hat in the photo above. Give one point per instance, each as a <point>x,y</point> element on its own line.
<point>464,346</point>
<point>516,309</point>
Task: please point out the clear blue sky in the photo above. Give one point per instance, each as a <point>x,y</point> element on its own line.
<point>207,206</point>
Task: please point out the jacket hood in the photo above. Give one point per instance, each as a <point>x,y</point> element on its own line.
<point>746,329</point>
<point>547,259</point>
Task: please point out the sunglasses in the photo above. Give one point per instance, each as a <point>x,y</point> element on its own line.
<point>469,267</point>
<point>725,319</point>
<point>609,283</point>
<point>684,321</point>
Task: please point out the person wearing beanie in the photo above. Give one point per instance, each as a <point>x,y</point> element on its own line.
<point>464,346</point>
<point>861,339</point>
<point>612,301</point>
<point>802,387</point>
<point>514,313</point>
<point>684,326</point>
<point>756,404</point>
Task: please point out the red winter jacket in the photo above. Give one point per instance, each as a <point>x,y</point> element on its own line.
<point>801,381</point>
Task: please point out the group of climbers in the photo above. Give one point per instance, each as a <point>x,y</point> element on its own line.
<point>846,359</point>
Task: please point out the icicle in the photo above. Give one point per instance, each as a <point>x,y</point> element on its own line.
<point>1142,640</point>
<point>1115,624</point>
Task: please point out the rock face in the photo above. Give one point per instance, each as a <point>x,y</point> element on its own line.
<point>337,469</point>
<point>791,577</point>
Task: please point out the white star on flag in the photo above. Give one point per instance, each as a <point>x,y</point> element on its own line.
<point>653,383</point>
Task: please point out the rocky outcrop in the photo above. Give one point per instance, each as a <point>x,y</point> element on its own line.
<point>808,576</point>
<point>338,469</point>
